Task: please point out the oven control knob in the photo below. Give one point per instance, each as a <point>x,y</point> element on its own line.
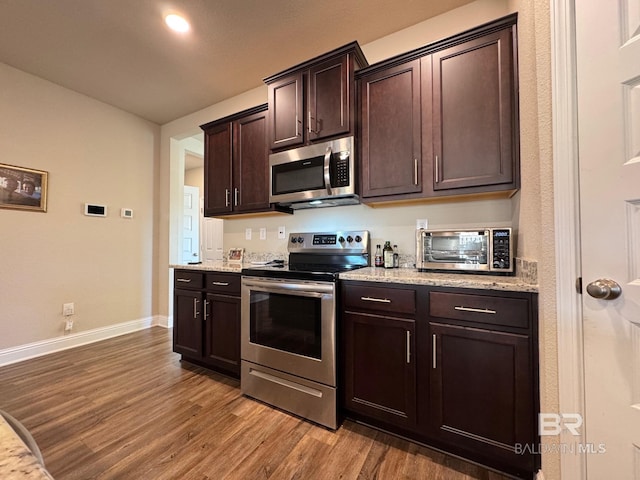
<point>294,240</point>
<point>349,239</point>
<point>300,240</point>
<point>341,239</point>
<point>358,238</point>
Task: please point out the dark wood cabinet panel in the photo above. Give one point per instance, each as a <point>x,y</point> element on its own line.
<point>329,98</point>
<point>187,322</point>
<point>286,111</point>
<point>218,170</point>
<point>481,392</point>
<point>315,100</point>
<point>222,332</point>
<point>206,322</point>
<point>380,379</point>
<point>236,164</point>
<point>251,163</point>
<point>390,134</point>
<point>474,113</point>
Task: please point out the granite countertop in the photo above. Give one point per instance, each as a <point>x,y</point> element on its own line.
<point>412,276</point>
<point>16,460</point>
<point>211,267</point>
<point>409,276</point>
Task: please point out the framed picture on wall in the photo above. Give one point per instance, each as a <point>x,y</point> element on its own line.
<point>23,188</point>
<point>235,255</point>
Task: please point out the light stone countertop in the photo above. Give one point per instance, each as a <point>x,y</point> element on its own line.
<point>16,460</point>
<point>411,276</point>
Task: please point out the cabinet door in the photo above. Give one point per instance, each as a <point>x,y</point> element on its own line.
<point>380,377</point>
<point>390,131</point>
<point>217,170</point>
<point>286,111</point>
<point>222,332</point>
<point>329,99</point>
<point>250,164</point>
<point>474,114</point>
<point>481,392</point>
<point>187,323</point>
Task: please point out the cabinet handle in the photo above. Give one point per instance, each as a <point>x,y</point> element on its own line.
<point>372,299</point>
<point>475,310</point>
<point>408,346</point>
<point>195,308</point>
<point>235,197</point>
<point>227,193</point>
<point>415,171</point>
<point>434,350</point>
<point>309,129</point>
<point>222,284</point>
<point>183,280</point>
<point>206,314</point>
<point>437,170</point>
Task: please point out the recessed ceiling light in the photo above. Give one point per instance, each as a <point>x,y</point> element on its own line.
<point>177,23</point>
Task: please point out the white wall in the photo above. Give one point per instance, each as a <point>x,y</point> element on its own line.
<point>93,153</point>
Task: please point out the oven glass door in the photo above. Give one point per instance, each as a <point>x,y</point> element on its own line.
<point>289,325</point>
<point>286,322</point>
<point>455,250</point>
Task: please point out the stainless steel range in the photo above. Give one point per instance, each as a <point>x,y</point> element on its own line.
<point>288,324</point>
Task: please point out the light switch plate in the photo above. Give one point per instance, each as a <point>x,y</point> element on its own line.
<point>247,234</point>
<point>263,233</point>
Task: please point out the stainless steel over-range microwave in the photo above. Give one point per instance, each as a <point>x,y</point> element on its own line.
<point>317,175</point>
<point>488,250</point>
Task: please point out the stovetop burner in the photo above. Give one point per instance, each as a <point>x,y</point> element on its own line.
<point>319,256</point>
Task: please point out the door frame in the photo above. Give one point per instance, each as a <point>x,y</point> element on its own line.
<point>569,316</point>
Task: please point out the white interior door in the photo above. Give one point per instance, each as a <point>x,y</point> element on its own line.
<point>608,81</point>
<point>212,235</point>
<point>191,225</point>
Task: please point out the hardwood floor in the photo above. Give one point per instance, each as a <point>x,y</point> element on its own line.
<point>127,408</point>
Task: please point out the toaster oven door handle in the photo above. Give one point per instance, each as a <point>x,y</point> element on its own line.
<point>475,310</point>
<point>327,169</point>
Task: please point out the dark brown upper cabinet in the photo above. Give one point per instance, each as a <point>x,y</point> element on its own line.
<point>314,100</point>
<point>442,119</point>
<point>236,164</point>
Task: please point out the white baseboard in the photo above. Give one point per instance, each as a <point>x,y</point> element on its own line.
<point>45,347</point>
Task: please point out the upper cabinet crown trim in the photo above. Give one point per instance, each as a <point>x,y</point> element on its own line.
<point>353,48</point>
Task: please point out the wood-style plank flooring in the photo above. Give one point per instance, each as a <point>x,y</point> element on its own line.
<point>128,408</point>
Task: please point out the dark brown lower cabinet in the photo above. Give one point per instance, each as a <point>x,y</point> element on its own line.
<point>452,368</point>
<point>381,373</point>
<point>206,319</point>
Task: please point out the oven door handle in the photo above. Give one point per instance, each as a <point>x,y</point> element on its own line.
<point>275,285</point>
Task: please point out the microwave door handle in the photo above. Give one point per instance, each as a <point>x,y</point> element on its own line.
<point>327,173</point>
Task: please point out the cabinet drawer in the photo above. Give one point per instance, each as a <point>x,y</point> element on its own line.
<point>224,283</point>
<point>188,279</point>
<point>399,300</point>
<point>507,311</point>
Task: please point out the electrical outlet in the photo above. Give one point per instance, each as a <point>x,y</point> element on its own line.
<point>68,309</point>
<point>263,233</point>
<point>281,233</point>
<point>247,234</point>
<point>68,326</point>
<point>421,223</point>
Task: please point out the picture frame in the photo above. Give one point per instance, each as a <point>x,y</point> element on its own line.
<point>235,255</point>
<point>23,188</point>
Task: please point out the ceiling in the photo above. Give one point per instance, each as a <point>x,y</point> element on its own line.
<point>121,53</point>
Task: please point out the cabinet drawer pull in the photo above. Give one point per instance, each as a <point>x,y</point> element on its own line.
<point>434,350</point>
<point>195,308</point>
<point>221,284</point>
<point>372,299</point>
<point>476,310</point>
<point>183,280</point>
<point>408,346</point>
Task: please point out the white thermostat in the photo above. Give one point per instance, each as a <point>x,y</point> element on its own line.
<point>126,213</point>
<point>93,210</point>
